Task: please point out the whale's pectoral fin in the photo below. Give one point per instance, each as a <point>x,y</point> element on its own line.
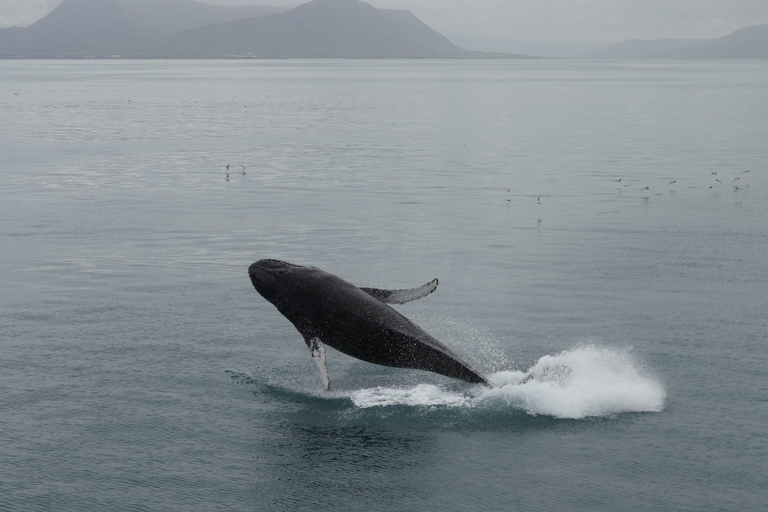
<point>317,349</point>
<point>401,296</point>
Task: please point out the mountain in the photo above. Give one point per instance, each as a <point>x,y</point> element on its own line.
<point>162,19</point>
<point>745,43</point>
<point>321,28</point>
<point>551,49</point>
<point>100,28</point>
<point>74,27</point>
<point>642,49</point>
<point>187,28</point>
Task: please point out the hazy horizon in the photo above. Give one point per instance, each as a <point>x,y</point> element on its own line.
<point>605,21</point>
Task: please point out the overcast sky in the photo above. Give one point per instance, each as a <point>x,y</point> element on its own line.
<point>533,20</point>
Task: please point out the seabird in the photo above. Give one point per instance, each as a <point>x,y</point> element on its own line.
<point>538,200</point>
<point>673,182</point>
<point>736,189</point>
<point>735,179</point>
<point>713,173</point>
<point>645,188</point>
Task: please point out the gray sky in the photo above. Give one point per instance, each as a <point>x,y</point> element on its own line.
<point>537,20</point>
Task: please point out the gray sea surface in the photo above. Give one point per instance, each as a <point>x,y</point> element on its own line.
<point>140,370</point>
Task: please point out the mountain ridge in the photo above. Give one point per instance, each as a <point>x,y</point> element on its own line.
<point>102,28</point>
<point>744,43</point>
<point>324,28</point>
<point>641,48</point>
<point>191,29</point>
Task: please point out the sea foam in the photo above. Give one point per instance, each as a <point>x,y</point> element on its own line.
<point>601,382</point>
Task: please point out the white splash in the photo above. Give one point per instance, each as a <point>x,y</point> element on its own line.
<point>601,382</point>
<point>423,394</point>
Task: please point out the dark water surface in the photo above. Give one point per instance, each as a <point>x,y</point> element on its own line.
<point>139,370</point>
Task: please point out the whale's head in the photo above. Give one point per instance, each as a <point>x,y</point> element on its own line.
<point>272,277</point>
<point>299,292</point>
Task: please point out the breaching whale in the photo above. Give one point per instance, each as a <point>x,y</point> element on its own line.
<point>326,309</point>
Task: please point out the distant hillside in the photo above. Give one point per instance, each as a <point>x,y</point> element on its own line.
<point>98,28</point>
<point>745,43</point>
<point>75,27</point>
<point>551,49</point>
<point>321,28</point>
<point>161,19</point>
<point>642,49</point>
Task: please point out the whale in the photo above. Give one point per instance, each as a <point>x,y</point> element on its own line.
<point>357,321</point>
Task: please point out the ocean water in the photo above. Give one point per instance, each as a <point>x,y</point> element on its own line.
<point>139,370</point>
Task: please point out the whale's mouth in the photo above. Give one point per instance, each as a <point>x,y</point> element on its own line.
<point>260,275</point>
<point>255,279</point>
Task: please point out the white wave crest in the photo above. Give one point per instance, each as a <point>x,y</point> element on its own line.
<point>601,382</point>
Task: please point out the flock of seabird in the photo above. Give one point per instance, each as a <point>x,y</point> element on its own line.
<point>242,171</point>
<point>736,187</point>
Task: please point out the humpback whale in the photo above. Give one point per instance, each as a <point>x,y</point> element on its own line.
<point>359,322</point>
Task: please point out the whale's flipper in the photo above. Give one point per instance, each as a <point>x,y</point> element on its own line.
<point>401,296</point>
<point>317,349</point>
